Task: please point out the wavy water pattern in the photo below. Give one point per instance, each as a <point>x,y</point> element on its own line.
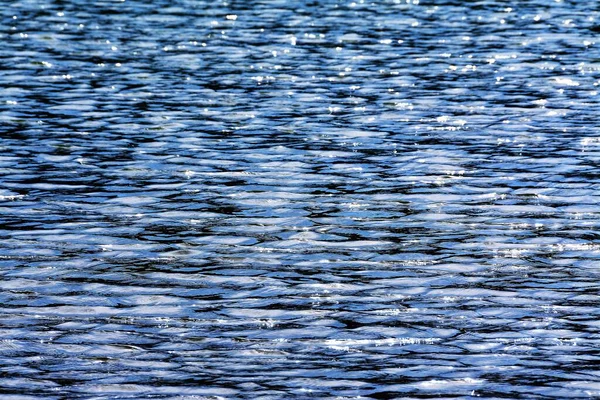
<point>299,199</point>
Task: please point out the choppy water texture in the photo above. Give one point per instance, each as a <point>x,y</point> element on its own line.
<point>294,199</point>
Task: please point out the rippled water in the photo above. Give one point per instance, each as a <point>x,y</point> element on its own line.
<point>293,199</point>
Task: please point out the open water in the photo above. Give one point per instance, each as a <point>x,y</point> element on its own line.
<point>299,199</point>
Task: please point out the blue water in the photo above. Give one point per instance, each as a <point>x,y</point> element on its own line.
<point>294,199</point>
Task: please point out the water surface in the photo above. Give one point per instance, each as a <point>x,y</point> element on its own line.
<point>295,199</point>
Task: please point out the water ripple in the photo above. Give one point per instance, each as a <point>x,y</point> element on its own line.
<point>284,200</point>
